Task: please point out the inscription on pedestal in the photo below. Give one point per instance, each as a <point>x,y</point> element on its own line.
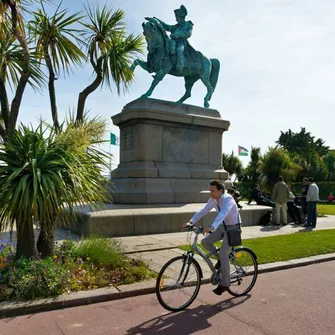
<point>127,140</point>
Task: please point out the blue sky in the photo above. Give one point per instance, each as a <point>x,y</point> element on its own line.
<point>277,68</point>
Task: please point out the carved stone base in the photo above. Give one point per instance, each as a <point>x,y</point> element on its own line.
<point>168,152</point>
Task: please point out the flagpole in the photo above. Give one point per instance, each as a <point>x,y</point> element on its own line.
<point>110,159</point>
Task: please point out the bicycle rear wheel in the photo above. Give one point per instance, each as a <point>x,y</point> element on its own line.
<point>243,271</point>
<point>178,283</point>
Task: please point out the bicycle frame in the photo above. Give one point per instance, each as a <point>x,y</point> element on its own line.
<point>206,257</point>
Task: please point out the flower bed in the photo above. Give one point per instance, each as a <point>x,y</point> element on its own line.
<point>92,263</point>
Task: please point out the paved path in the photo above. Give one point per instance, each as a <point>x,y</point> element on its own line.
<point>296,301</point>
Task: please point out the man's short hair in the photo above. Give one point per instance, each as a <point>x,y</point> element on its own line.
<point>256,185</point>
<point>219,186</point>
<point>311,179</point>
<point>280,178</point>
<point>231,191</point>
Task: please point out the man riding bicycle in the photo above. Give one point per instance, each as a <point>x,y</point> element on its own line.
<point>228,217</point>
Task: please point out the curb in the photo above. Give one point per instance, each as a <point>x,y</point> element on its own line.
<point>18,308</point>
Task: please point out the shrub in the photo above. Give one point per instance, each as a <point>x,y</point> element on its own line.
<point>93,263</point>
<point>31,279</point>
<point>106,251</point>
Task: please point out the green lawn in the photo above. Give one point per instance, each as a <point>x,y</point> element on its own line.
<point>291,246</point>
<point>326,209</point>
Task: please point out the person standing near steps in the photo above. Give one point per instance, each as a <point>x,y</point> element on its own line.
<point>280,195</point>
<point>228,213</point>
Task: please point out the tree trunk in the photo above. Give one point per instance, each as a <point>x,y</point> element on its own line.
<point>46,241</point>
<point>25,246</point>
<point>4,97</point>
<point>52,91</point>
<point>25,73</point>
<point>89,89</point>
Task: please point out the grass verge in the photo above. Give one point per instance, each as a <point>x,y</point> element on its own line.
<point>285,247</point>
<point>326,209</point>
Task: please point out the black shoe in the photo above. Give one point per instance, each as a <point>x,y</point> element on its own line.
<point>218,265</point>
<point>220,289</point>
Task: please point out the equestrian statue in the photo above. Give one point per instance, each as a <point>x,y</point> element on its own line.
<point>175,56</point>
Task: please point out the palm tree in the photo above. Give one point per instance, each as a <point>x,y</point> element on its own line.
<point>41,176</point>
<point>11,63</point>
<point>12,26</point>
<point>232,164</point>
<point>53,35</point>
<point>110,52</point>
<point>11,21</point>
<point>252,172</point>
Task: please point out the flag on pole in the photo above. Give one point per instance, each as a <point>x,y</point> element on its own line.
<point>242,151</point>
<point>114,139</point>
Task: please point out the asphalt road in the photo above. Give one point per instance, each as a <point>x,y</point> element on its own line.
<point>296,301</point>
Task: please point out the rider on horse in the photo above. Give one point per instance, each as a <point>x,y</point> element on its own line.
<point>180,32</point>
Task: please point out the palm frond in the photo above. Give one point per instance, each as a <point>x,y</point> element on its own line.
<point>12,61</point>
<point>117,61</point>
<point>103,25</point>
<point>56,36</point>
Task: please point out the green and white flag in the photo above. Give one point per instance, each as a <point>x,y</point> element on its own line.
<point>114,139</point>
<point>242,151</point>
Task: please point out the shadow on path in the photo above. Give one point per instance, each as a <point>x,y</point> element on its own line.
<point>186,322</point>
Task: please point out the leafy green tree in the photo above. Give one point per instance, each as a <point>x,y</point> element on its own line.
<point>277,162</point>
<point>302,143</point>
<point>329,161</point>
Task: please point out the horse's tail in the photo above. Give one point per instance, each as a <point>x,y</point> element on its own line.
<point>213,79</point>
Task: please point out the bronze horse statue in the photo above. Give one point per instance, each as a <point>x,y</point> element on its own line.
<point>162,62</point>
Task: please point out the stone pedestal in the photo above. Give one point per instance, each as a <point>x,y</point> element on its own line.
<point>168,152</point>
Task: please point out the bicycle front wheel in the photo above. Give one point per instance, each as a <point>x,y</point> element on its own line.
<point>178,283</point>
<point>243,271</point>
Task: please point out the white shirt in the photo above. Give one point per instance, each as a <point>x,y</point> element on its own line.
<point>313,193</point>
<point>228,211</point>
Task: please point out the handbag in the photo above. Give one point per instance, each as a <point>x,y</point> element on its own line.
<point>234,236</point>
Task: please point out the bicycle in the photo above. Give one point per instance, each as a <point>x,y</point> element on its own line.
<point>188,276</point>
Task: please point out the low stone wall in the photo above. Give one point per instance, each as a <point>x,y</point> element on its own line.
<point>131,220</point>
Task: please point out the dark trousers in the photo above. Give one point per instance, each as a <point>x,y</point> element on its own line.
<point>266,202</point>
<point>311,213</point>
<point>304,205</point>
<point>293,211</point>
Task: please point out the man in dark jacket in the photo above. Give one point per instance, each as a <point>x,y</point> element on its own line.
<point>257,195</point>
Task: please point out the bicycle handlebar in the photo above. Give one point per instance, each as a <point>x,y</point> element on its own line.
<point>197,230</point>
